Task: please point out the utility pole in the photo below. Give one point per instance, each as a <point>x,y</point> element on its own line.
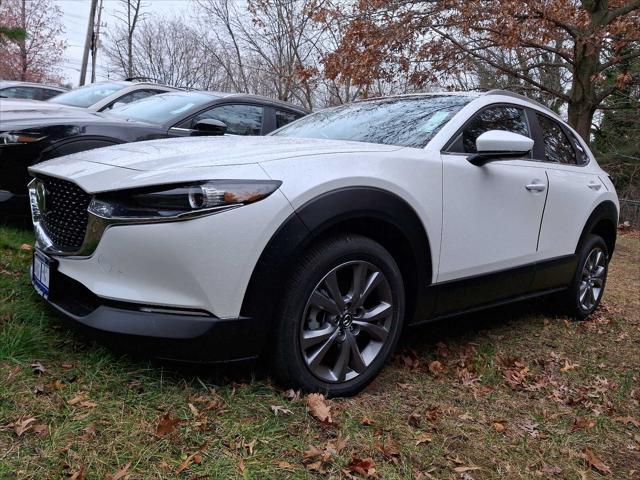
<point>94,45</point>
<point>87,41</point>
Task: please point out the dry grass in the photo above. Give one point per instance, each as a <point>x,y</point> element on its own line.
<point>511,393</point>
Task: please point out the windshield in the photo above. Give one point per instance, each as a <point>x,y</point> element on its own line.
<point>402,121</point>
<point>86,96</point>
<point>163,108</point>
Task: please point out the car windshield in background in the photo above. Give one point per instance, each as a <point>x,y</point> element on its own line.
<point>403,121</point>
<point>86,96</point>
<point>164,107</point>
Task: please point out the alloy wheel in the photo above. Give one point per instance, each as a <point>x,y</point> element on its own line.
<point>346,321</point>
<point>593,276</point>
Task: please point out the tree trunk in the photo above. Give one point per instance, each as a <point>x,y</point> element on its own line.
<point>583,95</point>
<point>24,64</point>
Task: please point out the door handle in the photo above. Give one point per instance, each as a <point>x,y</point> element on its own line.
<point>536,187</point>
<point>594,186</point>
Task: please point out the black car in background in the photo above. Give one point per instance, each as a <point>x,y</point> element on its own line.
<point>33,132</point>
<point>29,90</point>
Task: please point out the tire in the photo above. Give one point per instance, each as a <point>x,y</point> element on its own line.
<point>584,294</point>
<point>322,346</point>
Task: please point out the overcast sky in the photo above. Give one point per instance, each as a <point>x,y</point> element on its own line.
<point>75,15</point>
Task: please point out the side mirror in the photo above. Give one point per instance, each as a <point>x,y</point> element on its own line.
<point>499,145</point>
<point>210,126</point>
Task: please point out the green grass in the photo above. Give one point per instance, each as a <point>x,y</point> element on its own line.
<point>97,410</point>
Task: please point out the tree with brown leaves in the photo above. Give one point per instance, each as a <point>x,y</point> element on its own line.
<point>36,55</point>
<point>559,50</point>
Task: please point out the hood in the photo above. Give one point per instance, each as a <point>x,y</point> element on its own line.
<point>194,152</point>
<point>18,114</point>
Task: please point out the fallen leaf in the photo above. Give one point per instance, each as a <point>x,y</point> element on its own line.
<point>286,465</point>
<point>193,409</point>
<point>498,427</point>
<point>435,367</point>
<point>25,247</point>
<point>389,452</point>
<point>593,461</point>
<point>57,384</point>
<point>628,420</point>
<point>277,409</point>
<point>414,419</point>
<point>90,431</point>
<point>166,425</point>
<point>410,360</point>
<point>24,425</point>
<point>119,473</point>
<point>549,470</point>
<point>241,466</point>
<point>366,421</point>
<point>319,408</point>
<point>364,467</point>
<point>569,366</point>
<point>465,469</point>
<point>77,399</point>
<point>292,395</point>
<point>66,366</point>
<point>37,367</point>
<point>193,458</point>
<point>583,422</point>
<point>78,474</point>
<point>424,438</point>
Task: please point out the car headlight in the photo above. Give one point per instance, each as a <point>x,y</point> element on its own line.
<point>16,138</point>
<point>179,201</point>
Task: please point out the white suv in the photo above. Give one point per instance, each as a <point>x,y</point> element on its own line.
<point>318,244</point>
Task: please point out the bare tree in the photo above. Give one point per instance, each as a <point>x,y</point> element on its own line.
<point>130,14</point>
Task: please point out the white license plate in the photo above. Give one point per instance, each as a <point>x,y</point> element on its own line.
<point>40,274</point>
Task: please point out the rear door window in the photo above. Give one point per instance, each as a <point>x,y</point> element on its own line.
<point>557,147</point>
<point>240,119</point>
<point>284,117</point>
<point>132,97</point>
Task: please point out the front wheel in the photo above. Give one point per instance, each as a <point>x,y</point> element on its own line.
<point>341,317</point>
<point>586,290</point>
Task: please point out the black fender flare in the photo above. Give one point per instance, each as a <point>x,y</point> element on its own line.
<point>75,144</point>
<point>349,209</point>
<point>604,222</point>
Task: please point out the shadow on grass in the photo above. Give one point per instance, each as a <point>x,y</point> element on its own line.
<point>421,339</point>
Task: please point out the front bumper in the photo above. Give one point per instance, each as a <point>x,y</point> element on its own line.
<point>184,281</point>
<point>194,335</point>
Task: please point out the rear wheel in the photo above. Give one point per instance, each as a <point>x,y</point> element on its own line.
<point>341,317</point>
<point>585,293</point>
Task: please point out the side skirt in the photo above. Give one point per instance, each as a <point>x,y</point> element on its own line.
<point>470,294</point>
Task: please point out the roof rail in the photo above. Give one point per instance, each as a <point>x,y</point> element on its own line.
<point>142,79</point>
<point>507,93</point>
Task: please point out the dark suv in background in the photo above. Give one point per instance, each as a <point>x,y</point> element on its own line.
<point>44,131</point>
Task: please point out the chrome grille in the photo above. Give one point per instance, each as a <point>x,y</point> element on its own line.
<point>65,216</point>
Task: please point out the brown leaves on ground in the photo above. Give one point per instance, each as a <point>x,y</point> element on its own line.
<point>319,407</point>
<point>25,247</point>
<point>279,409</point>
<point>120,473</point>
<point>595,462</point>
<point>319,459</point>
<point>22,426</point>
<point>191,459</point>
<point>364,467</point>
<point>167,425</point>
